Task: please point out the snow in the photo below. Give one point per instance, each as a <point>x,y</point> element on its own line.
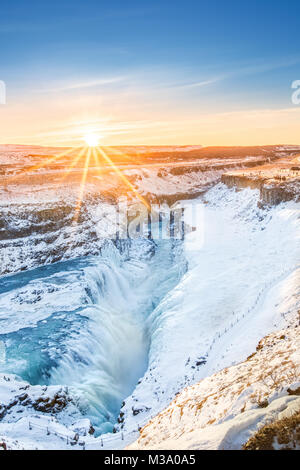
<point>148,182</point>
<point>189,328</point>
<point>242,284</point>
<point>81,323</point>
<point>223,410</point>
<point>230,435</point>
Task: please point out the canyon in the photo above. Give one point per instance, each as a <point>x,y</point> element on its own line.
<point>148,343</point>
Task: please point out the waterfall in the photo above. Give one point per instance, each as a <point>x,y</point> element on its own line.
<point>93,337</point>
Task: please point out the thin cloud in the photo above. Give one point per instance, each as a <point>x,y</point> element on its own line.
<point>200,84</point>
<point>253,69</point>
<point>84,85</point>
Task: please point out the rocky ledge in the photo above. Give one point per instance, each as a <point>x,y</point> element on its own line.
<point>279,182</point>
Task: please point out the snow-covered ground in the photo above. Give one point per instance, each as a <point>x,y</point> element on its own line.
<point>135,325</point>
<point>242,283</point>
<point>225,409</point>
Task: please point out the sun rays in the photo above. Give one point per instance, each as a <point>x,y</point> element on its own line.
<point>122,176</point>
<point>90,157</point>
<point>82,185</point>
<point>45,163</point>
<point>98,154</point>
<point>74,163</point>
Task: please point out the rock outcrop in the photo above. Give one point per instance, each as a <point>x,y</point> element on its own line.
<point>276,182</point>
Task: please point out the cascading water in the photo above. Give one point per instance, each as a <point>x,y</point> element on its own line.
<point>82,323</point>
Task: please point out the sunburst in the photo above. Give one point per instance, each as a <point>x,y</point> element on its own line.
<point>44,163</point>
<point>100,158</point>
<point>82,185</point>
<point>74,163</point>
<point>92,140</point>
<point>122,176</point>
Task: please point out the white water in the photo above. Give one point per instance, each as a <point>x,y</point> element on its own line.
<point>99,324</point>
<point>86,323</point>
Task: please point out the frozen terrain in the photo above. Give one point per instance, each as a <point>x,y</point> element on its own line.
<point>101,336</point>
<point>39,193</point>
<point>224,410</point>
<point>242,284</point>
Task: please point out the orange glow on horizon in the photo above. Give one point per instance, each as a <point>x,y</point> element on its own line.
<point>86,152</point>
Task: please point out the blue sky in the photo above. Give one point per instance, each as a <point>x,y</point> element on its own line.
<point>146,57</point>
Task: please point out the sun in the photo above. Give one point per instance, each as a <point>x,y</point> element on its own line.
<point>92,140</point>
